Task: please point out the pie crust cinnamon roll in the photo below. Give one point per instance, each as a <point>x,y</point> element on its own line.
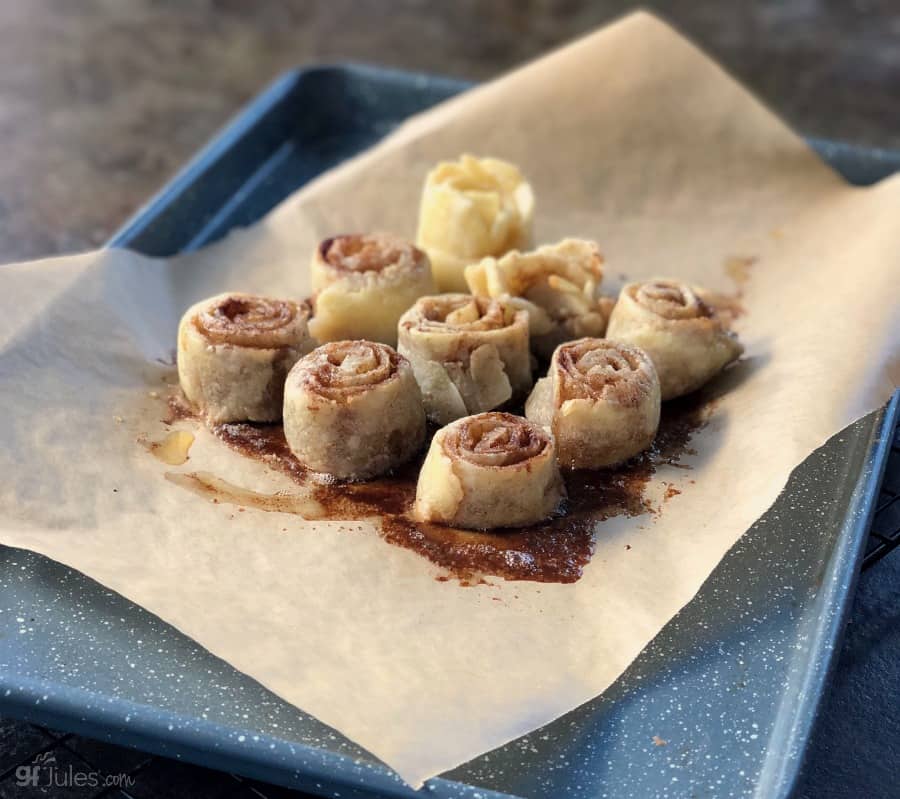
<point>234,352</point>
<point>352,409</point>
<point>472,208</point>
<point>490,470</point>
<point>558,284</point>
<point>363,283</point>
<point>469,354</point>
<point>600,399</point>
<point>688,342</point>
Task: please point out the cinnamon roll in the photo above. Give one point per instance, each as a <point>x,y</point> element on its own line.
<point>363,283</point>
<point>688,342</point>
<point>472,208</point>
<point>557,284</point>
<point>234,352</point>
<point>469,354</point>
<point>490,470</point>
<point>601,401</point>
<point>352,409</point>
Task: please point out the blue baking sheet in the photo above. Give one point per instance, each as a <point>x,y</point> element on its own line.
<point>731,685</point>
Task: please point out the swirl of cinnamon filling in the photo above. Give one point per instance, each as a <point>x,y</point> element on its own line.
<point>489,470</point>
<point>688,342</point>
<point>363,283</point>
<point>598,368</point>
<point>601,399</point>
<point>341,369</point>
<point>495,439</point>
<point>352,409</point>
<point>469,354</point>
<point>668,299</point>
<point>234,352</point>
<point>248,321</point>
<point>368,252</point>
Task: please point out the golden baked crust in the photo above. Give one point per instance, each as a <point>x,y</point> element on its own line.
<point>558,284</point>
<point>686,339</point>
<point>363,283</point>
<point>601,400</point>
<point>472,208</point>
<point>487,471</point>
<point>469,354</point>
<point>234,352</point>
<point>352,409</point>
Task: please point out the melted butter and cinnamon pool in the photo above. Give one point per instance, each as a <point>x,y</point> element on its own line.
<point>556,550</point>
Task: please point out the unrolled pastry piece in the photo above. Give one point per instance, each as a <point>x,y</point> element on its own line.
<point>558,284</point>
<point>490,470</point>
<point>469,354</point>
<point>363,283</point>
<point>352,409</point>
<point>601,401</point>
<point>684,336</point>
<point>234,352</point>
<point>472,208</point>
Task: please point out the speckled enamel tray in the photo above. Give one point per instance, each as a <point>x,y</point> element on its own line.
<point>720,704</point>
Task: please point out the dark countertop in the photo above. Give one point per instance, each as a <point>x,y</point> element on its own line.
<point>102,101</point>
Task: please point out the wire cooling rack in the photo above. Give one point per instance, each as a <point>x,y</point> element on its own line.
<point>885,533</point>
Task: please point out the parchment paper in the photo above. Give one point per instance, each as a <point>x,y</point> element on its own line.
<point>630,136</point>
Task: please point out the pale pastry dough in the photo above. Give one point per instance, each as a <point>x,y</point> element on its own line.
<point>469,354</point>
<point>688,342</point>
<point>487,471</point>
<point>352,409</point>
<point>600,399</point>
<point>363,283</point>
<point>472,208</point>
<point>234,352</point>
<point>558,284</point>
